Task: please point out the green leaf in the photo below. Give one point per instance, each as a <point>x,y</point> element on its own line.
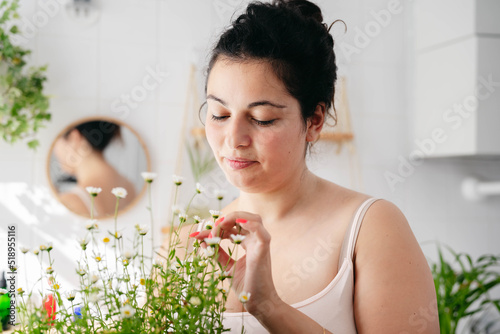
<point>33,144</point>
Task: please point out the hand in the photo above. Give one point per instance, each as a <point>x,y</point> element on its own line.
<point>252,273</point>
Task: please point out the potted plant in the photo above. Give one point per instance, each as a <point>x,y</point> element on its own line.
<point>464,292</point>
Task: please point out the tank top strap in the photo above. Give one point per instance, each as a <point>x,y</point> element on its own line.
<point>352,231</point>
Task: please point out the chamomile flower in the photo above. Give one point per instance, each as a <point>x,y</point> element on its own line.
<point>212,241</point>
<point>209,225</point>
<point>49,270</point>
<point>219,194</point>
<point>80,271</point>
<point>199,188</point>
<point>93,191</point>
<point>20,291</point>
<point>36,251</point>
<point>215,214</point>
<point>209,251</point>
<point>94,297</point>
<point>178,209</point>
<point>98,257</point>
<point>183,217</point>
<point>49,246</point>
<point>244,297</point>
<point>177,180</point>
<point>119,192</point>
<point>127,311</point>
<point>84,242</point>
<point>24,250</point>
<point>127,254</point>
<point>143,230</point>
<point>196,219</point>
<point>94,278</point>
<point>92,225</point>
<point>195,301</point>
<point>237,238</point>
<point>3,291</point>
<point>70,295</point>
<point>148,176</point>
<point>105,240</point>
<point>118,235</point>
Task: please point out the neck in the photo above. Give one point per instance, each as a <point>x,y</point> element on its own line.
<point>92,166</point>
<point>276,205</point>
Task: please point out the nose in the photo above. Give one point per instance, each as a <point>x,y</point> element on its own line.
<point>238,133</point>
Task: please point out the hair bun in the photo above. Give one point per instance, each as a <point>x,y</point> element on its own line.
<point>306,8</point>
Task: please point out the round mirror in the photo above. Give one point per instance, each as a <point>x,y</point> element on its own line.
<point>97,152</point>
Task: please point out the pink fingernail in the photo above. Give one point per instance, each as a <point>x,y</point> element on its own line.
<point>218,221</point>
<point>210,235</point>
<point>241,221</point>
<point>194,234</point>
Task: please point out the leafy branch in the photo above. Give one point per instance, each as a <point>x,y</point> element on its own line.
<point>23,106</point>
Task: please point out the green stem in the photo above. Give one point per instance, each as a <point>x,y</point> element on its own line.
<point>41,272</point>
<point>142,258</point>
<point>116,232</point>
<point>92,197</point>
<point>173,218</point>
<point>150,208</point>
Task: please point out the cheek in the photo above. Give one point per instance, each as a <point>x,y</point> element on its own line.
<point>284,146</point>
<point>212,136</point>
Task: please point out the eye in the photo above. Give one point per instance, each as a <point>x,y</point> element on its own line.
<point>264,123</point>
<point>218,118</point>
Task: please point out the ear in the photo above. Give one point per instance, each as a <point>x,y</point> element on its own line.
<point>315,123</point>
<point>74,137</point>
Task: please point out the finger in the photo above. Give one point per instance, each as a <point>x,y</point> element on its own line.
<point>232,221</point>
<point>256,228</point>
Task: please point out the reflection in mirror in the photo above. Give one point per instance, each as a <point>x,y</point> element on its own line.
<point>97,152</point>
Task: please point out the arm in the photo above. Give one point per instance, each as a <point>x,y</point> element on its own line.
<point>394,289</point>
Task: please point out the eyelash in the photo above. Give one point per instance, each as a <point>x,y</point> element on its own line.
<point>261,123</point>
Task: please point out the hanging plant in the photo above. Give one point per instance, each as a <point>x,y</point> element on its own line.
<point>23,106</point>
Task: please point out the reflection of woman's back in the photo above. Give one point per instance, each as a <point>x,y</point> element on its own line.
<point>80,153</point>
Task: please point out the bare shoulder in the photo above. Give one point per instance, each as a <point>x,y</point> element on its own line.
<point>394,290</point>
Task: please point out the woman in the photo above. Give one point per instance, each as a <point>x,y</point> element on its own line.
<point>80,152</point>
<point>318,258</point>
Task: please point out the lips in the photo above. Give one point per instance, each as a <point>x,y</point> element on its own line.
<point>238,163</point>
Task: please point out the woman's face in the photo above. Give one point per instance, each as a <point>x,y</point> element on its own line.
<point>254,126</point>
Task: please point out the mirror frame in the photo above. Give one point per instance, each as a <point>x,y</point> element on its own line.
<point>89,119</point>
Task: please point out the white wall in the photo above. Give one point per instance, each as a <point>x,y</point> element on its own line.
<point>91,67</point>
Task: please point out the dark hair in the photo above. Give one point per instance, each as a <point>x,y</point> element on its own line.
<point>98,133</point>
<point>291,36</point>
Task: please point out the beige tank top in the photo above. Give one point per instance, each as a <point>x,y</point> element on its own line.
<point>332,307</point>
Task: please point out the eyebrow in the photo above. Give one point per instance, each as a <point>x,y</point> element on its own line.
<point>251,105</point>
